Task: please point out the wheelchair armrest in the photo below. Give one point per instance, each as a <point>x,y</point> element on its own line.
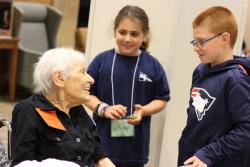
<point>4,122</point>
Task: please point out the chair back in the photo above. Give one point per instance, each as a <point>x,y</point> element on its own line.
<point>36,25</point>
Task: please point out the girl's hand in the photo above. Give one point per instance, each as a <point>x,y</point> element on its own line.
<point>115,112</point>
<point>195,162</point>
<point>137,116</point>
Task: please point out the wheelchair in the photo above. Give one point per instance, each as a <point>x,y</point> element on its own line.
<point>5,159</point>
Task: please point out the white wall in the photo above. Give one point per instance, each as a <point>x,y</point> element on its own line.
<point>170,22</point>
<point>247,32</point>
<point>66,34</point>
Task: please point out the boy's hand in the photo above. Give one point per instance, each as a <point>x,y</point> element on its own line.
<point>195,162</point>
<point>104,162</point>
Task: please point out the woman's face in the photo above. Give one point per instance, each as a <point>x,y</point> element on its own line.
<point>129,36</point>
<point>77,86</point>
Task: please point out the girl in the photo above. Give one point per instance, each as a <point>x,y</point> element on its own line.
<point>130,85</point>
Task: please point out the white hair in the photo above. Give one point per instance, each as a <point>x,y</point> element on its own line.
<point>59,59</point>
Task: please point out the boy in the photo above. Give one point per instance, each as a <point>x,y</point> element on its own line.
<point>217,133</point>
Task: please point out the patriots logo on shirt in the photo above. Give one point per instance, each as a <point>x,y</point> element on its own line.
<point>202,101</point>
<point>144,78</point>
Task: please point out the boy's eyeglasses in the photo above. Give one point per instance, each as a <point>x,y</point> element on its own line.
<point>200,43</point>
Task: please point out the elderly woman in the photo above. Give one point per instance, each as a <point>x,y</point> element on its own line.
<point>52,123</point>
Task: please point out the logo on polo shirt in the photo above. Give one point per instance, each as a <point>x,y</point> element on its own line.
<point>202,101</point>
<point>144,77</point>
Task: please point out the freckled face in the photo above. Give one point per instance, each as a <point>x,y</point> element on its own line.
<point>212,50</point>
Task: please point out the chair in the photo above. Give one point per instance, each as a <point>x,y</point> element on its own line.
<point>4,158</point>
<point>81,38</point>
<point>36,26</point>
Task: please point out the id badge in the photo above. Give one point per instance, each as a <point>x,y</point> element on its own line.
<point>121,128</point>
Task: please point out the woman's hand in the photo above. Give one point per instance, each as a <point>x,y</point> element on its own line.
<point>137,116</point>
<point>195,162</point>
<point>104,162</point>
<point>115,112</point>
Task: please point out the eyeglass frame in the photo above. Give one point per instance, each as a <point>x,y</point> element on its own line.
<point>200,43</point>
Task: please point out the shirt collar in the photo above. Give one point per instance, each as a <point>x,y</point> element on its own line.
<point>43,103</point>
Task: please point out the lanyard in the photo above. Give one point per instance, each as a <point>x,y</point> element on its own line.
<point>133,83</point>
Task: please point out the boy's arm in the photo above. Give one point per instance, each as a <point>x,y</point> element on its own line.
<point>238,138</point>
